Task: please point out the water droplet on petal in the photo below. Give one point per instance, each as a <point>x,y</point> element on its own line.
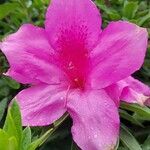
<point>95,136</point>
<point>61,98</point>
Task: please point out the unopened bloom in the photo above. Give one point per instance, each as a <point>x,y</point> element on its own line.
<point>69,64</point>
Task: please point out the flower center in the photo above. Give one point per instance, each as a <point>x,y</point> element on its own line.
<point>74,55</point>
<point>75,64</point>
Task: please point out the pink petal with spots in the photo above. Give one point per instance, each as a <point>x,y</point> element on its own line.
<point>30,56</point>
<point>120,52</point>
<point>95,120</point>
<point>73,23</point>
<point>42,104</point>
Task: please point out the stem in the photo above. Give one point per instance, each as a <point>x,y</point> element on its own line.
<point>56,124</point>
<point>47,134</point>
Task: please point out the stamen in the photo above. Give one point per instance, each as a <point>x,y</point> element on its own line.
<point>67,94</point>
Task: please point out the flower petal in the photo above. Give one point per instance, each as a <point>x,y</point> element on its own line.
<point>29,55</point>
<point>114,91</point>
<point>73,21</point>
<point>147,103</point>
<point>95,120</point>
<point>129,90</point>
<point>135,91</point>
<point>121,52</point>
<point>137,85</point>
<point>42,104</point>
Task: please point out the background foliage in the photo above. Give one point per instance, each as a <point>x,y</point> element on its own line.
<point>135,128</point>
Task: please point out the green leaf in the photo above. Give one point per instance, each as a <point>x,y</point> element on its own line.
<point>35,144</point>
<point>122,148</point>
<point>141,117</point>
<point>112,13</point>
<point>47,134</point>
<point>26,138</point>
<point>130,9</point>
<point>129,117</point>
<point>128,139</point>
<point>143,111</point>
<point>13,145</point>
<point>143,5</point>
<point>13,122</point>
<point>12,83</point>
<point>3,105</point>
<point>143,19</point>
<point>9,125</point>
<point>146,145</point>
<point>7,8</point>
<point>99,2</point>
<point>74,146</point>
<point>117,145</point>
<point>16,115</point>
<point>4,91</point>
<point>3,140</point>
<point>6,142</point>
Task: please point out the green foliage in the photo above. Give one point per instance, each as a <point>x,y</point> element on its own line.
<point>129,10</point>
<point>26,138</point>
<point>131,118</point>
<point>11,83</point>
<point>7,8</point>
<point>146,145</point>
<point>12,130</point>
<point>135,11</point>
<point>13,126</point>
<point>74,146</point>
<point>128,139</point>
<point>140,111</point>
<point>3,105</point>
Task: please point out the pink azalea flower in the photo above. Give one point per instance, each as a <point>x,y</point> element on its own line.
<point>69,64</point>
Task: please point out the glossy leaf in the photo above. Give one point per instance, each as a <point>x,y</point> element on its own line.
<point>9,125</point>
<point>12,124</point>
<point>130,118</point>
<point>142,111</point>
<point>128,139</point>
<point>7,8</point>
<point>35,144</point>
<point>26,138</point>
<point>130,9</point>
<point>16,115</point>
<point>144,19</point>
<point>3,140</point>
<point>3,105</point>
<point>12,83</point>
<point>13,145</point>
<point>146,145</point>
